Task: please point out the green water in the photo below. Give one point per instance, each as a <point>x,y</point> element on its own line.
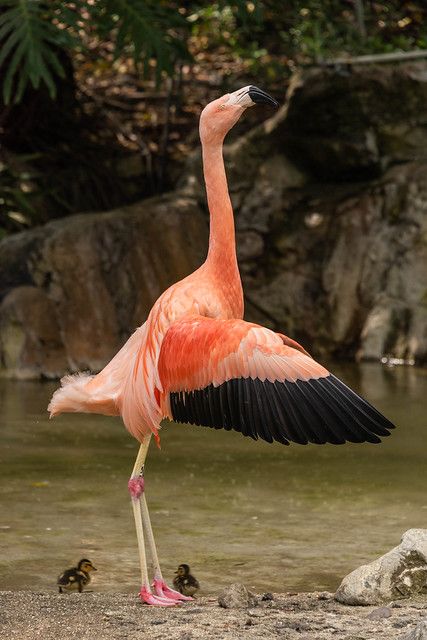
<point>276,518</point>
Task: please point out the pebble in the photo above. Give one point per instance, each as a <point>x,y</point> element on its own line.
<point>380,613</point>
<point>195,610</point>
<point>236,596</point>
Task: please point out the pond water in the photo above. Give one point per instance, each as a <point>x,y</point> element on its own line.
<point>276,518</point>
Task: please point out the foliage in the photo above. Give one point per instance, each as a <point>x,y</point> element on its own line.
<point>32,33</point>
<point>254,38</point>
<point>306,31</point>
<point>29,40</point>
<point>16,206</point>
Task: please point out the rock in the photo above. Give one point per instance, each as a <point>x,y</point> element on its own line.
<point>267,597</point>
<point>30,337</point>
<point>380,613</point>
<point>418,633</point>
<point>400,573</point>
<point>352,134</point>
<point>236,596</point>
<point>72,292</point>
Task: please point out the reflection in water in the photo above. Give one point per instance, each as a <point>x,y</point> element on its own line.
<point>276,518</point>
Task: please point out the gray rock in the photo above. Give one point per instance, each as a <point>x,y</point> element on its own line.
<point>236,596</point>
<point>400,573</point>
<point>418,633</point>
<point>380,613</point>
<point>73,291</point>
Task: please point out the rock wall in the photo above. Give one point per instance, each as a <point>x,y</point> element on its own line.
<point>73,290</point>
<point>330,197</point>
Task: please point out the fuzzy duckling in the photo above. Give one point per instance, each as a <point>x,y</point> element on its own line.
<point>76,577</point>
<point>184,582</point>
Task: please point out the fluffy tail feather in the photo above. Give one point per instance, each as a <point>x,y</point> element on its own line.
<point>98,393</point>
<point>74,396</point>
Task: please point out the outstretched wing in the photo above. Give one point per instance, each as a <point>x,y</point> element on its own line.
<point>237,375</point>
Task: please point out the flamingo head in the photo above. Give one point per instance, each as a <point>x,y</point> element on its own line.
<point>219,116</point>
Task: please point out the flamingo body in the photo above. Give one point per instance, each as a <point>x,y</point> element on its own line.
<point>130,385</point>
<point>195,360</point>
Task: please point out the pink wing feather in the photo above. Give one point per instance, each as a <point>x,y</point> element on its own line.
<point>238,375</point>
<point>197,351</point>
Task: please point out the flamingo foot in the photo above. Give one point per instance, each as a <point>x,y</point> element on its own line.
<point>162,590</point>
<point>149,598</point>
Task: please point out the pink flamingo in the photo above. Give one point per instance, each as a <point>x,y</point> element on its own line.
<point>196,361</point>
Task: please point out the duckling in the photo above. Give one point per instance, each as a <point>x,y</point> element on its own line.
<point>184,582</point>
<point>76,577</point>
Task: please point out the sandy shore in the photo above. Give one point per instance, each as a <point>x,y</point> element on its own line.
<point>99,616</point>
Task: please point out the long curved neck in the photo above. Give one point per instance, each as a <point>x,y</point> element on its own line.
<point>222,242</point>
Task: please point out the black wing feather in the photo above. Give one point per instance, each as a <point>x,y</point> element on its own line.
<point>318,410</point>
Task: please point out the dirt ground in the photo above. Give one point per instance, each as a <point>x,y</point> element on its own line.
<point>99,616</point>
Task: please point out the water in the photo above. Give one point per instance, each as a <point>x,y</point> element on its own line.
<point>276,518</point>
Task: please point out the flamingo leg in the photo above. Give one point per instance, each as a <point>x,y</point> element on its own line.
<point>136,489</point>
<point>159,584</point>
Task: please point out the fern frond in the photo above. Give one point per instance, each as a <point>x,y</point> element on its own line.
<point>147,28</point>
<point>29,48</point>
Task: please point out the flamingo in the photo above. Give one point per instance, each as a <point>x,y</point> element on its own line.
<point>195,360</point>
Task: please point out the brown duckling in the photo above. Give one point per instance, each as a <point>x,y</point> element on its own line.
<point>184,582</point>
<point>76,577</point>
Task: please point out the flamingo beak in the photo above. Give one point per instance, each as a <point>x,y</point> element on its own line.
<point>258,96</point>
<point>250,96</point>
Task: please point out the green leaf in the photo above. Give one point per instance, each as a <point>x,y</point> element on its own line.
<point>150,30</point>
<point>13,65</point>
<point>29,47</point>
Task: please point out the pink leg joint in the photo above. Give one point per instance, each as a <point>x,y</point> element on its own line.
<point>136,487</point>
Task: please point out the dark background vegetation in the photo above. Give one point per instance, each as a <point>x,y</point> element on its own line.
<point>99,99</point>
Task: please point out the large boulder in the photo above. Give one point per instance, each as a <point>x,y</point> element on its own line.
<point>72,291</point>
<point>400,573</point>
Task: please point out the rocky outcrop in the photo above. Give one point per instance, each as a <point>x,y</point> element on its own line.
<point>400,573</point>
<point>74,290</point>
<point>330,196</point>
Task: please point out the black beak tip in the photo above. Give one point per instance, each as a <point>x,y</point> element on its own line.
<point>260,97</point>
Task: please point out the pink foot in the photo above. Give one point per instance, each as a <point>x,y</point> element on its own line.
<point>148,598</point>
<point>162,590</point>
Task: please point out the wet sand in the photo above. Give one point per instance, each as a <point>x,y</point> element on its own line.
<point>99,616</point>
